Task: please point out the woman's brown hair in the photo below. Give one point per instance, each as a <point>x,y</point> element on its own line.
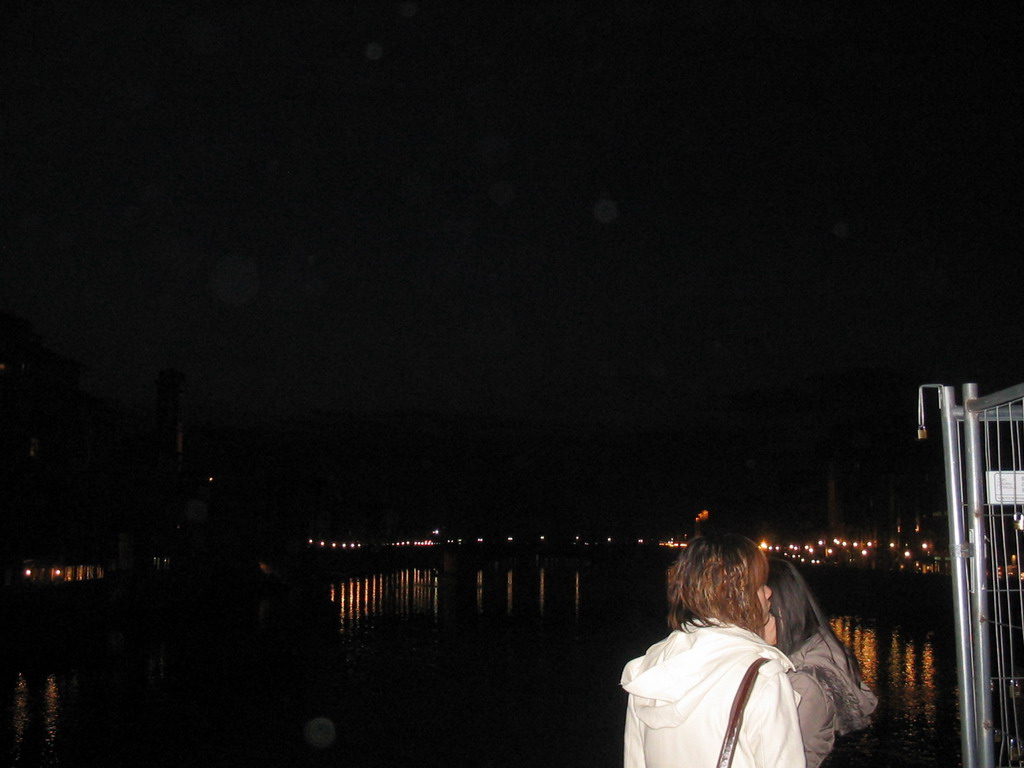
<point>715,580</point>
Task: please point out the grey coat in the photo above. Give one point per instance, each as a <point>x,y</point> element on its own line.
<point>831,702</point>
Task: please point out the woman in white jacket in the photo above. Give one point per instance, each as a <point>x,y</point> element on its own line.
<point>681,690</point>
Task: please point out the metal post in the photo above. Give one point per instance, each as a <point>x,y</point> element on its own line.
<point>959,552</point>
<point>974,485</point>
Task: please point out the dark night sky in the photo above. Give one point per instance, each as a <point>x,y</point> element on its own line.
<point>547,211</point>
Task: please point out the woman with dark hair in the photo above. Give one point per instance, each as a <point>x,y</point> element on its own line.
<point>681,692</point>
<point>833,698</point>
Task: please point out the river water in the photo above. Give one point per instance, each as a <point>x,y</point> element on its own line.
<point>510,662</point>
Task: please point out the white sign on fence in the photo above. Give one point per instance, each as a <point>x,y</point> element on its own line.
<point>1005,486</point>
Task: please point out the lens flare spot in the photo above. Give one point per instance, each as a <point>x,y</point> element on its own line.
<point>319,732</point>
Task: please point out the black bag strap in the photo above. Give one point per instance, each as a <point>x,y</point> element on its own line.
<point>732,732</point>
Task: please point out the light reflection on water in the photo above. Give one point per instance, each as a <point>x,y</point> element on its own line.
<point>864,642</point>
<point>915,682</point>
<point>20,717</point>
<point>545,632</point>
<point>35,710</point>
<point>50,717</point>
<point>418,592</point>
<point>405,593</point>
<point>509,592</point>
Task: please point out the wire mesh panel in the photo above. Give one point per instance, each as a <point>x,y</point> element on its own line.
<point>983,446</point>
<point>1002,507</point>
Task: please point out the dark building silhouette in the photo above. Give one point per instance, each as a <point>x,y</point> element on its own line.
<point>44,442</point>
<point>170,429</point>
<point>40,398</point>
<point>82,481</point>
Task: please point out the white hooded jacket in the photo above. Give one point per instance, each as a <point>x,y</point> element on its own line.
<point>680,694</point>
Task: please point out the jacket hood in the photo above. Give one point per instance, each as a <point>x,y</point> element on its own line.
<point>828,663</point>
<point>677,674</point>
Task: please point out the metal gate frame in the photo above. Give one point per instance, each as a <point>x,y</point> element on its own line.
<point>983,448</point>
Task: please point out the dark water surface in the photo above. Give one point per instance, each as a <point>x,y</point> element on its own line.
<point>512,663</point>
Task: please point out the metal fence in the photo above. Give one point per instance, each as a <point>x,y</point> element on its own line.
<point>983,445</point>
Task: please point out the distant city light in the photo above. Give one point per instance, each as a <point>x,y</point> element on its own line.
<point>844,554</point>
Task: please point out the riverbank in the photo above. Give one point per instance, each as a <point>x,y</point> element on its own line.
<point>223,592</point>
<point>891,594</point>
<point>425,668</point>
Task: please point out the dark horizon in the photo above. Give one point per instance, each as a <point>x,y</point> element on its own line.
<point>630,262</point>
<point>620,216</point>
<point>762,462</point>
